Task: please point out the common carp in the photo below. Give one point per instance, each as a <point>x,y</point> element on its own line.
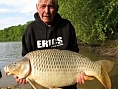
<point>53,68</point>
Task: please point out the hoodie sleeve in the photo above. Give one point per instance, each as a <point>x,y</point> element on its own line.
<point>73,40</point>
<point>26,42</point>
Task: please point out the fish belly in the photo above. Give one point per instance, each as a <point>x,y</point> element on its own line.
<point>55,79</point>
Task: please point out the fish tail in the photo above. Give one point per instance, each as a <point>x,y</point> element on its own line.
<point>104,78</point>
<point>107,64</point>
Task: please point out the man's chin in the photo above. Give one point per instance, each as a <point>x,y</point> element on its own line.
<point>47,22</point>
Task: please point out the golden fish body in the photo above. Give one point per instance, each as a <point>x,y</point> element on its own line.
<point>54,68</point>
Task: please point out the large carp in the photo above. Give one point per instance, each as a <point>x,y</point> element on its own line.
<point>53,68</point>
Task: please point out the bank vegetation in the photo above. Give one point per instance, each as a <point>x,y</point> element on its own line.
<point>95,21</point>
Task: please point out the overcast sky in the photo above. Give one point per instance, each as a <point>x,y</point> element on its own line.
<point>15,12</point>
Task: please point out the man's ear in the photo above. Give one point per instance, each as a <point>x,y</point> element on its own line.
<point>36,6</point>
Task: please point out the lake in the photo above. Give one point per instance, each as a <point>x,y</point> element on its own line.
<point>11,51</point>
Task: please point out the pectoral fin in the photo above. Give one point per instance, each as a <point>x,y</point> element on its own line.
<point>34,84</point>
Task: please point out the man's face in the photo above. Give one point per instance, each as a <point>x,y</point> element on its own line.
<point>46,10</point>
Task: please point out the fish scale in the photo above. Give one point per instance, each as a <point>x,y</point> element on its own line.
<point>50,61</point>
<point>55,68</point>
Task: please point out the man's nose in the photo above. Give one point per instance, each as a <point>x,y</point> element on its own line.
<point>47,9</point>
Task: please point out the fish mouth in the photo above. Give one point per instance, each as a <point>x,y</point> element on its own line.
<point>6,70</point>
<point>7,73</point>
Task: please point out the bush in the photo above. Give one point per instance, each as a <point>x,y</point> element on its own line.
<point>94,20</point>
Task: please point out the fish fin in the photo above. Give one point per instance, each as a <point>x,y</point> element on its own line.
<point>88,78</point>
<point>104,78</point>
<point>107,64</point>
<point>34,84</point>
<point>25,69</point>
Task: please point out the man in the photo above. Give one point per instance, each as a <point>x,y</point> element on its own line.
<point>48,31</point>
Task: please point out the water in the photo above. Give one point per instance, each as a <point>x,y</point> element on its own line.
<point>11,51</point>
<point>95,84</point>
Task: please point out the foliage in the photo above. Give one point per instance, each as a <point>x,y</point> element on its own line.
<point>95,21</point>
<point>13,33</point>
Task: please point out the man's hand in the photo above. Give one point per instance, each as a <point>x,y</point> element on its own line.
<point>81,79</point>
<point>20,81</point>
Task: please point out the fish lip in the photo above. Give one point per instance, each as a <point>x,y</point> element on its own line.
<point>7,73</point>
<point>6,70</point>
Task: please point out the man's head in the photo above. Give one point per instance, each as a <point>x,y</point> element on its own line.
<point>47,10</point>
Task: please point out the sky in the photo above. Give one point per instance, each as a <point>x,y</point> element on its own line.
<point>14,12</point>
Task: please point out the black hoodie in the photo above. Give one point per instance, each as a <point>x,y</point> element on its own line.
<point>60,35</point>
